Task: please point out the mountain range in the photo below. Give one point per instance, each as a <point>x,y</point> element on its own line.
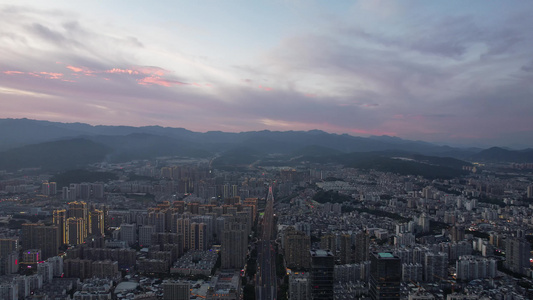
<point>28,143</point>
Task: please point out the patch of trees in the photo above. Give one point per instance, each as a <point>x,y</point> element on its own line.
<point>382,213</point>
<point>331,196</point>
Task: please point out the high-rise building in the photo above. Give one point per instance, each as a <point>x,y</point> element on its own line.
<point>198,236</point>
<point>436,266</point>
<point>52,188</point>
<point>470,267</point>
<point>65,193</point>
<point>45,188</point>
<point>145,235</point>
<point>299,286</point>
<point>38,236</point>
<point>423,222</point>
<point>85,191</point>
<point>184,229</point>
<point>174,290</point>
<point>345,249</point>
<point>7,246</point>
<point>77,209</point>
<point>60,220</point>
<point>297,247</point>
<point>98,190</point>
<point>322,274</point>
<point>80,210</point>
<point>234,245</point>
<point>96,223</point>
<point>517,255</point>
<point>329,242</point>
<point>385,276</point>
<point>412,272</point>
<point>128,233</point>
<point>457,233</point>
<point>75,231</point>
<point>157,218</point>
<point>362,245</point>
<point>530,191</point>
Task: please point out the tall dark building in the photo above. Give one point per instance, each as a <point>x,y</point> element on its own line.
<point>96,223</point>
<point>345,254</point>
<point>297,246</point>
<point>362,244</point>
<point>38,236</point>
<point>457,233</point>
<point>517,255</point>
<point>60,220</point>
<point>385,276</point>
<point>322,274</point>
<point>234,246</point>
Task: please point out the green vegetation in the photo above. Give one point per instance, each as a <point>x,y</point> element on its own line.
<point>406,167</point>
<point>382,213</point>
<point>494,201</point>
<point>283,292</point>
<point>445,189</point>
<point>478,234</point>
<point>330,196</point>
<point>236,157</point>
<point>347,209</point>
<point>333,179</point>
<point>437,226</point>
<point>248,293</point>
<point>79,176</point>
<point>282,273</point>
<point>135,177</point>
<point>251,265</point>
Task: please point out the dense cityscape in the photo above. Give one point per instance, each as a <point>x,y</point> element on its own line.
<point>176,228</point>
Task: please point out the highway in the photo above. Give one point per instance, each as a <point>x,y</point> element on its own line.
<point>266,282</point>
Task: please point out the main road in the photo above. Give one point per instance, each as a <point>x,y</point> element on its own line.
<point>266,283</point>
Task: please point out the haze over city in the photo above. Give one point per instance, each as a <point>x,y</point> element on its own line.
<point>449,72</point>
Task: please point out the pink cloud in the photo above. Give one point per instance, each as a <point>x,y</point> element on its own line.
<point>13,72</point>
<point>50,75</point>
<point>122,71</point>
<point>156,80</point>
<point>75,69</point>
<point>47,75</point>
<point>152,71</point>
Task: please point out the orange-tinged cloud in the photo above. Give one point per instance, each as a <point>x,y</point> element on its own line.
<point>47,75</point>
<point>13,72</point>
<point>122,71</point>
<point>156,80</point>
<point>50,75</point>
<point>75,69</point>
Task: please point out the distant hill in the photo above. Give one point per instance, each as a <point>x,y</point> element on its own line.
<point>497,154</point>
<point>30,143</point>
<point>19,132</point>
<point>147,146</point>
<point>58,155</point>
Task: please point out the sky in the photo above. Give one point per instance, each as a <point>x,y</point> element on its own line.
<point>449,72</point>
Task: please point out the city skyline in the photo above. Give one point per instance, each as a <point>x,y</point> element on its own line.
<point>451,72</point>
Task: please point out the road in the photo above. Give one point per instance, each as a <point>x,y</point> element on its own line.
<point>266,283</point>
